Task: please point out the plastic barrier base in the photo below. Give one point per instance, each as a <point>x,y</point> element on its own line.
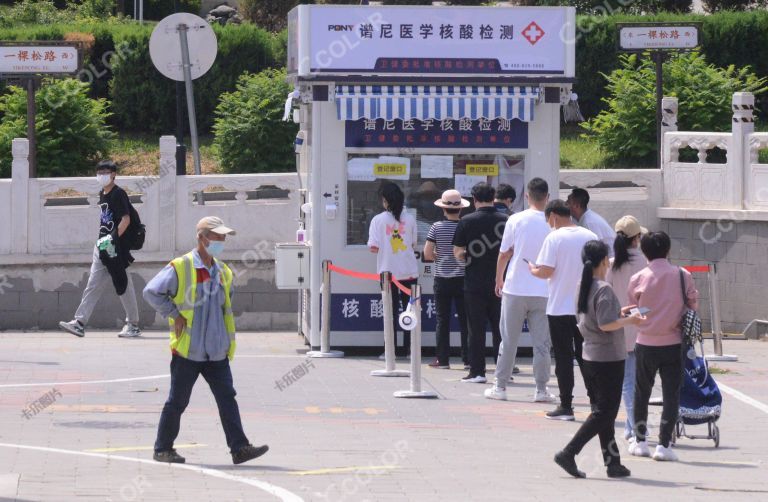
<point>330,353</point>
<point>392,373</point>
<point>724,357</point>
<point>410,393</point>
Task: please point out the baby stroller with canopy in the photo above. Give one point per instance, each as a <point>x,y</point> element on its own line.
<point>700,398</point>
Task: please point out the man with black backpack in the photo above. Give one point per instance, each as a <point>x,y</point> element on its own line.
<point>120,231</point>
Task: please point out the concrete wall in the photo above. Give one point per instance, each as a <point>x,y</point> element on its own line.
<point>740,250</point>
<point>38,296</point>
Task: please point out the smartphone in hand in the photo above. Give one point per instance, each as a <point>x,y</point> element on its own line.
<point>639,310</point>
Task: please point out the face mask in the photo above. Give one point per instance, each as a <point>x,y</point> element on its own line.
<point>104,179</point>
<point>215,248</point>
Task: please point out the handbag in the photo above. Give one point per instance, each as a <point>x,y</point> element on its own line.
<point>690,324</point>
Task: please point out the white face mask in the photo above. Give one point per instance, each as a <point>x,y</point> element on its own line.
<point>104,179</point>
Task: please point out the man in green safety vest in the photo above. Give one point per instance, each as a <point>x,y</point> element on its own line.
<point>194,292</point>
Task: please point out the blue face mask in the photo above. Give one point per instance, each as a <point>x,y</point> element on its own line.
<point>215,248</point>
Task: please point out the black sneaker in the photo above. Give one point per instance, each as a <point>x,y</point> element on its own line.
<point>169,456</point>
<point>515,370</point>
<point>248,452</point>
<point>74,327</point>
<point>568,463</point>
<point>474,379</point>
<point>617,471</point>
<point>561,413</point>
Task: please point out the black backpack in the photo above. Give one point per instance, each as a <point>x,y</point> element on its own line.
<point>136,232</point>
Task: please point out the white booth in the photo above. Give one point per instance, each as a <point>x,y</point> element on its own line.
<point>428,97</point>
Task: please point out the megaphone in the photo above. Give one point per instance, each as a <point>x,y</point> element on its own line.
<point>408,319</point>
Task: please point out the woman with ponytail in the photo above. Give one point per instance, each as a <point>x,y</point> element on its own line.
<point>601,323</point>
<point>628,260</point>
<point>392,236</point>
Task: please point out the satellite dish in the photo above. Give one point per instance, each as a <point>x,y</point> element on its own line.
<point>165,46</point>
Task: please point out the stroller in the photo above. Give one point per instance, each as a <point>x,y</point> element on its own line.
<point>700,398</point>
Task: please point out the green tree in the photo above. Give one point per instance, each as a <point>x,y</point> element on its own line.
<point>70,127</point>
<point>250,135</point>
<point>626,129</point>
<point>737,5</point>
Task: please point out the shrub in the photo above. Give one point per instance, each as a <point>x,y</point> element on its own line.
<point>32,12</point>
<point>158,9</point>
<point>70,127</point>
<point>250,133</point>
<point>627,128</point>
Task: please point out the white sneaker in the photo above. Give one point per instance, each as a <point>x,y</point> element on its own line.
<point>544,396</point>
<point>129,331</point>
<point>495,393</point>
<point>639,448</point>
<point>664,454</point>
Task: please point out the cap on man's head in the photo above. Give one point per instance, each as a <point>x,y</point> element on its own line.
<point>214,224</point>
<point>106,165</point>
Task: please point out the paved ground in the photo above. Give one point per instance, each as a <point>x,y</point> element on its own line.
<point>335,434</point>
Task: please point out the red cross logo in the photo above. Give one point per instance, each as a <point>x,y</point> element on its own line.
<point>533,33</point>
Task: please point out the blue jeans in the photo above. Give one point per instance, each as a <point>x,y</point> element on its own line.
<point>628,393</point>
<point>183,377</point>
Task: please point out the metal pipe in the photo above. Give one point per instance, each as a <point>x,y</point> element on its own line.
<point>31,134</point>
<point>416,340</point>
<point>325,334</point>
<point>389,326</point>
<point>187,68</point>
<point>714,295</point>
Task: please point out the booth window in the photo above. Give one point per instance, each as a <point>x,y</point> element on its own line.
<point>423,178</point>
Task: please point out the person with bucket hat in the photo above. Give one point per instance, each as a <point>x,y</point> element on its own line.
<point>449,277</point>
<point>194,292</point>
<point>627,261</point>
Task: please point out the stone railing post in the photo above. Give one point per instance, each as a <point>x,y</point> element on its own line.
<point>668,114</point>
<point>166,201</point>
<point>738,157</point>
<point>20,196</point>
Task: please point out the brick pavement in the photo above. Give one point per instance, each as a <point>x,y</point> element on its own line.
<point>335,433</point>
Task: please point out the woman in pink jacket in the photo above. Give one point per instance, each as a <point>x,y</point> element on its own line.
<point>659,340</point>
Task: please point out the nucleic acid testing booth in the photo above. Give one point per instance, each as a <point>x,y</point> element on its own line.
<point>430,98</point>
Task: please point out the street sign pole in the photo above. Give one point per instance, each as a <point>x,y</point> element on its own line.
<point>658,57</point>
<point>181,149</point>
<point>186,66</point>
<point>31,112</point>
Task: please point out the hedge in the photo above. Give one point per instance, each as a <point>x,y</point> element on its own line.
<point>141,98</point>
<point>738,38</point>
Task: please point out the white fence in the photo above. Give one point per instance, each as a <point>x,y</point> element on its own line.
<point>260,206</point>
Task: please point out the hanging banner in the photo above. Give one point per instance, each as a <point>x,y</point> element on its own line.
<point>343,39</point>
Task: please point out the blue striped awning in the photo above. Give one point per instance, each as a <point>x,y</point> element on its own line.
<point>422,102</point>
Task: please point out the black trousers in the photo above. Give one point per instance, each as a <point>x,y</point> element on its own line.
<point>400,303</point>
<point>606,379</point>
<point>449,291</point>
<point>668,362</point>
<point>567,342</point>
<point>482,308</point>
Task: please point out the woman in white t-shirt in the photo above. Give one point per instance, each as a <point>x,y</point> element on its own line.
<point>628,260</point>
<point>392,236</point>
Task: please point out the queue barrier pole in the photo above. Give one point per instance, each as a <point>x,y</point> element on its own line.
<point>415,390</point>
<point>714,308</point>
<point>389,331</point>
<point>325,323</point>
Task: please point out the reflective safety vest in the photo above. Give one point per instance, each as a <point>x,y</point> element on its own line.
<point>185,303</point>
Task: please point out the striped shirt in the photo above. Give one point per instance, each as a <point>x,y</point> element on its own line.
<point>441,233</point>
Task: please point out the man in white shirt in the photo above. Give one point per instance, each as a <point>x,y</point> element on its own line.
<point>577,202</point>
<point>560,262</point>
<point>523,295</point>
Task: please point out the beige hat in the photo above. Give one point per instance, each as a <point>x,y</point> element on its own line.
<point>629,226</point>
<point>451,199</point>
<point>214,224</point>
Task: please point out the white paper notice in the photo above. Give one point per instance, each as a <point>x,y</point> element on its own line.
<point>361,169</point>
<point>437,166</point>
<point>465,183</point>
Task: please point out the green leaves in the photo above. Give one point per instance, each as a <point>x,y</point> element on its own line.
<point>626,129</point>
<point>250,135</point>
<point>70,128</point>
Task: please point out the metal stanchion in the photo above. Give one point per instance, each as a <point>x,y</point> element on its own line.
<point>325,328</point>
<point>415,390</point>
<point>717,330</point>
<point>389,332</point>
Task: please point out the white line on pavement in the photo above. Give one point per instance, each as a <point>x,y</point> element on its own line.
<point>277,491</point>
<point>56,384</point>
<point>743,397</point>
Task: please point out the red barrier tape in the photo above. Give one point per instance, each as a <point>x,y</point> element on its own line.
<point>697,268</point>
<point>402,288</point>
<point>352,273</point>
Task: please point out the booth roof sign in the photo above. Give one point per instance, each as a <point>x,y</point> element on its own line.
<point>658,37</point>
<point>38,59</point>
<point>409,39</point>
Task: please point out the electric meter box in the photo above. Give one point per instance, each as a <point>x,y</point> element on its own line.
<point>292,265</point>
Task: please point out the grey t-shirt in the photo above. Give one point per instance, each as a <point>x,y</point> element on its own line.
<point>603,307</point>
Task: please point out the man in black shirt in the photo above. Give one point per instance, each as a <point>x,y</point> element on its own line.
<point>477,240</point>
<point>111,257</point>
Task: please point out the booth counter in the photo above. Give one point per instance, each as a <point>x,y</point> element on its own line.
<point>430,98</point>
